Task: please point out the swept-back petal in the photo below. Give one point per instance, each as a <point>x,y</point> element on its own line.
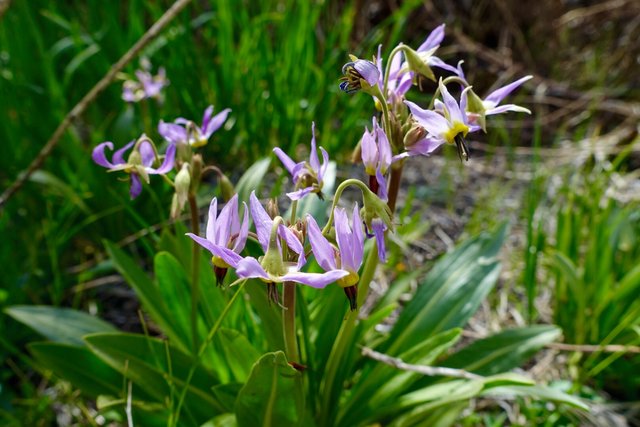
<point>172,132</point>
<point>367,70</point>
<point>225,220</point>
<point>249,268</point>
<point>288,163</point>
<point>378,230</point>
<point>299,194</point>
<point>322,249</point>
<point>315,280</point>
<point>99,156</point>
<point>168,162</point>
<point>261,219</point>
<point>136,186</point>
<point>226,254</point>
<point>498,95</point>
<point>451,105</point>
<point>345,238</point>
<point>212,220</point>
<point>434,39</point>
<point>358,236</point>
<point>118,156</point>
<point>243,232</point>
<point>313,155</point>
<point>505,108</point>
<point>215,123</point>
<point>433,122</point>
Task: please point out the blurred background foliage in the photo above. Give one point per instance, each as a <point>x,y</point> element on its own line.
<point>276,65</point>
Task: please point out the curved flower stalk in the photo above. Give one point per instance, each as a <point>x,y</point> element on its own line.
<point>347,256</point>
<point>139,164</point>
<point>272,268</point>
<point>225,236</point>
<point>147,85</point>
<point>183,131</point>
<point>398,81</point>
<point>307,176</point>
<point>452,126</point>
<point>376,157</point>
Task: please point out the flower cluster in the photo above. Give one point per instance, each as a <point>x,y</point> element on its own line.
<point>283,247</point>
<point>146,86</point>
<point>181,136</point>
<point>411,129</point>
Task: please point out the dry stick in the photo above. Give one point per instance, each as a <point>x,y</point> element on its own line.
<point>430,371</point>
<point>81,106</point>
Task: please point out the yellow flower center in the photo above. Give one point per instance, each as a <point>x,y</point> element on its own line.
<point>455,130</point>
<point>349,280</point>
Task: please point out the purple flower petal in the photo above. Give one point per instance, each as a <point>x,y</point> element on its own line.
<point>434,61</point>
<point>215,123</point>
<point>433,122</point>
<point>367,70</point>
<point>168,162</point>
<point>358,238</point>
<point>455,115</point>
<point>498,95</point>
<point>322,249</point>
<point>136,186</point>
<point>288,163</point>
<point>344,238</point>
<point>243,232</point>
<point>293,243</point>
<point>505,108</point>
<point>99,156</point>
<point>118,156</point>
<point>369,151</point>
<point>382,184</point>
<point>249,268</point>
<point>434,39</point>
<point>172,132</point>
<point>315,280</point>
<point>378,229</point>
<point>226,254</point>
<point>223,230</point>
<point>212,220</point>
<point>313,155</point>
<point>325,164</point>
<point>261,219</point>
<point>147,153</point>
<point>299,194</point>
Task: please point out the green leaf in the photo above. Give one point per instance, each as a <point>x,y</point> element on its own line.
<point>451,292</point>
<point>148,293</point>
<point>381,383</point>
<point>537,392</point>
<point>272,395</point>
<point>503,351</point>
<point>174,286</point>
<point>159,369</point>
<point>252,178</point>
<point>62,325</point>
<point>79,366</point>
<point>240,355</point>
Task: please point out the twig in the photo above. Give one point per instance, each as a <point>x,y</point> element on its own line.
<point>584,348</point>
<point>588,348</point>
<point>430,371</point>
<point>81,106</point>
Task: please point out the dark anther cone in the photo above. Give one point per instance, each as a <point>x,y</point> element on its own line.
<point>352,295</point>
<point>220,274</point>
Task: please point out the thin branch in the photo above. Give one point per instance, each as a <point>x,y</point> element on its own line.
<point>587,348</point>
<point>81,106</point>
<point>429,371</point>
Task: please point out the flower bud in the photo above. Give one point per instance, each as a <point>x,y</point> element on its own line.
<point>373,207</point>
<point>226,187</point>
<point>182,185</point>
<point>415,134</point>
<point>272,208</point>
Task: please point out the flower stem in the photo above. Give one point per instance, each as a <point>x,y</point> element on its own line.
<point>195,270</point>
<point>393,53</point>
<point>289,322</point>
<point>336,198</point>
<point>294,208</point>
